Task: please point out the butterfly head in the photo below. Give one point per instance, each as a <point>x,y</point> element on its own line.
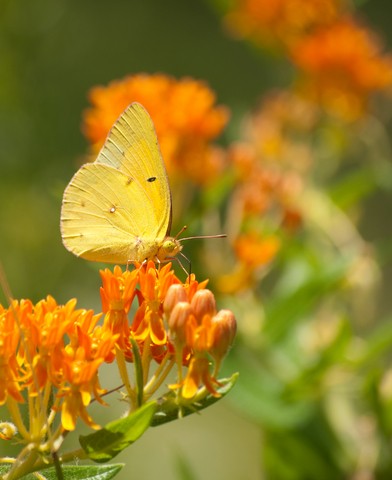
<point>169,248</point>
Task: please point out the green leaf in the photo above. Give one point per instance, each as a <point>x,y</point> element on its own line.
<point>260,393</point>
<point>378,343</point>
<point>184,469</point>
<point>137,361</point>
<point>310,451</point>
<point>168,408</point>
<point>108,442</point>
<point>75,472</point>
<point>353,187</point>
<point>285,311</point>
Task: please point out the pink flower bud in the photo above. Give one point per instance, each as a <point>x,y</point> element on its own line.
<point>203,303</point>
<point>225,327</point>
<point>178,319</point>
<point>175,294</point>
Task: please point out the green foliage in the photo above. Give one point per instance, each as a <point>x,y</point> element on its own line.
<point>169,410</point>
<point>77,472</point>
<point>112,439</point>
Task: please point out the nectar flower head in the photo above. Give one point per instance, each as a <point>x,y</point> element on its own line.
<point>184,114</point>
<point>58,347</point>
<point>117,294</point>
<point>148,324</point>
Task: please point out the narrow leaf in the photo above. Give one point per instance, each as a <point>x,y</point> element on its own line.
<point>108,442</point>
<point>168,408</point>
<point>137,361</point>
<point>76,472</point>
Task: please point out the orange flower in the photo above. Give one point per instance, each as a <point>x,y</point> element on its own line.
<point>342,66</point>
<point>49,346</point>
<point>117,294</point>
<point>10,373</point>
<point>262,186</point>
<point>80,376</point>
<point>184,114</point>
<point>279,22</point>
<point>198,374</point>
<point>254,250</point>
<point>74,405</point>
<point>148,320</point>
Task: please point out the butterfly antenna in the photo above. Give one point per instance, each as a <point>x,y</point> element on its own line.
<point>221,235</point>
<point>181,231</point>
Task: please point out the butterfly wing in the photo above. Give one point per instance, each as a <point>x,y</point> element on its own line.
<point>132,147</point>
<point>118,209</point>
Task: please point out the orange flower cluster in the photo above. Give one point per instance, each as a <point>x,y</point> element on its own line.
<point>172,319</point>
<point>342,65</point>
<point>339,61</point>
<point>184,114</point>
<point>49,348</point>
<point>280,22</point>
<point>269,166</point>
<point>274,155</point>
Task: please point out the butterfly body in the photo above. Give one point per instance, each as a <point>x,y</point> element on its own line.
<point>118,209</point>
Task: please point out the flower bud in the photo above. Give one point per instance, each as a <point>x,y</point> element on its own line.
<point>7,430</point>
<point>225,327</point>
<point>175,294</point>
<point>203,303</point>
<point>178,318</point>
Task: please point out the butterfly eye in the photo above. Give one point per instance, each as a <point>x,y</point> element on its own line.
<point>151,179</point>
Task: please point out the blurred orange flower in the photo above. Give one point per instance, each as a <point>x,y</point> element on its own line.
<point>342,65</point>
<point>280,22</point>
<point>262,186</point>
<point>270,165</point>
<point>184,114</point>
<point>254,250</point>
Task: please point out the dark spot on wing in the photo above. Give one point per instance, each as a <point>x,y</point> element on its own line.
<point>129,181</point>
<point>151,179</point>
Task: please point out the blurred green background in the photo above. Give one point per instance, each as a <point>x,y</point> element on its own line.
<point>51,53</point>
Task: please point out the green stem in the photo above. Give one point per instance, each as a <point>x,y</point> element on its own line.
<point>122,368</point>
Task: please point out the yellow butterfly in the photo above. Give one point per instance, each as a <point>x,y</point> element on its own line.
<point>118,209</point>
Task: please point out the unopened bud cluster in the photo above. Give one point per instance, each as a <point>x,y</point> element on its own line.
<point>199,333</point>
